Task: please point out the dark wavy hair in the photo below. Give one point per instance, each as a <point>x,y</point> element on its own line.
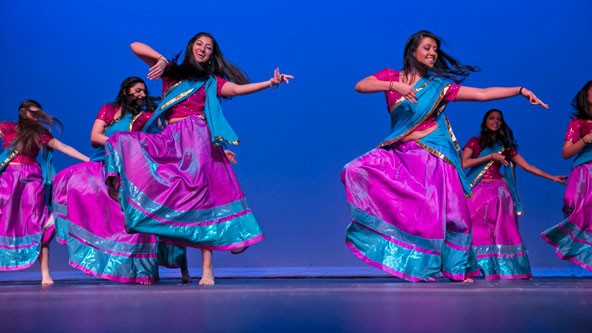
<point>32,127</point>
<point>128,103</point>
<point>580,103</point>
<point>503,134</point>
<point>445,65</point>
<point>217,65</point>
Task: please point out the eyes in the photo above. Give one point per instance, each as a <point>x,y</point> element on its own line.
<point>138,90</point>
<point>200,43</point>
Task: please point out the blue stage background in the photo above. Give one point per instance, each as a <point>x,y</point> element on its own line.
<point>72,55</point>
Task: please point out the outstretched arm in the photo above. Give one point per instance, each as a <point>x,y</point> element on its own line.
<point>493,93</point>
<point>468,162</point>
<point>536,171</point>
<point>59,146</point>
<point>150,56</point>
<point>232,89</point>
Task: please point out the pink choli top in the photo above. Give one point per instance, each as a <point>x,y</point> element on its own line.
<point>392,96</point>
<point>578,128</point>
<point>494,170</point>
<point>194,104</point>
<point>10,133</point>
<point>108,111</point>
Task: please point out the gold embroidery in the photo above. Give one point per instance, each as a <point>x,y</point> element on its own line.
<point>178,97</point>
<point>10,157</point>
<point>489,164</point>
<point>221,139</point>
<point>131,124</point>
<point>171,88</point>
<point>429,114</point>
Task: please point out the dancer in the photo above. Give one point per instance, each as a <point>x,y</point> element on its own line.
<point>26,225</point>
<point>177,182</point>
<point>409,215</point>
<point>572,238</point>
<point>87,219</point>
<point>495,205</point>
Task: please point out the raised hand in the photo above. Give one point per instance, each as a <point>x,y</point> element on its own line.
<point>279,77</point>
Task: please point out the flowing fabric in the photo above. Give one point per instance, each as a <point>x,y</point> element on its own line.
<point>572,238</point>
<point>409,215</point>
<point>494,208</point>
<point>178,184</point>
<point>92,224</point>
<point>25,222</point>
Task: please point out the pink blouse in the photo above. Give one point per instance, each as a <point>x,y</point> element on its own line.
<point>392,96</point>
<point>577,129</point>
<point>494,170</point>
<point>108,111</point>
<point>10,133</point>
<point>194,104</point>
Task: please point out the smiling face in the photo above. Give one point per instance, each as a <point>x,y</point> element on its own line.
<point>203,48</point>
<point>138,90</point>
<point>427,52</point>
<point>494,121</point>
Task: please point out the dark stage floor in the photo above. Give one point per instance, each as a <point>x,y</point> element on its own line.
<point>298,305</point>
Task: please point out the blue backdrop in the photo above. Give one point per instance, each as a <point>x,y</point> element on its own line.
<point>72,55</point>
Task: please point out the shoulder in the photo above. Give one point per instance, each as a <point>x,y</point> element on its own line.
<point>7,125</point>
<point>387,74</point>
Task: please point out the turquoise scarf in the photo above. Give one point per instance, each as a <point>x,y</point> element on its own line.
<point>406,116</point>
<point>220,130</point>
<point>122,125</point>
<point>475,174</point>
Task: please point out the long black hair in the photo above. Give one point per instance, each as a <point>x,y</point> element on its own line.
<point>503,134</point>
<point>580,103</point>
<point>445,65</point>
<point>128,103</point>
<point>217,65</point>
<point>32,126</point>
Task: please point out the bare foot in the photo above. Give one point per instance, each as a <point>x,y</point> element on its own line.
<point>46,280</point>
<point>207,277</point>
<point>146,283</point>
<point>185,277</point>
<point>467,280</point>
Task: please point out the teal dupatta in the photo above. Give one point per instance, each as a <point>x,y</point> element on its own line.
<point>475,174</point>
<point>584,156</point>
<point>221,132</point>
<point>406,116</point>
<point>122,125</point>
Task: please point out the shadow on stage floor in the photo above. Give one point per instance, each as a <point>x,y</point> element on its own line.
<point>350,304</point>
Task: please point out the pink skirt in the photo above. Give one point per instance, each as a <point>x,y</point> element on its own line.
<point>409,214</point>
<point>25,222</point>
<point>572,238</point>
<point>496,240</point>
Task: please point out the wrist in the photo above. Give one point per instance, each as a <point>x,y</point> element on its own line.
<point>162,58</point>
<point>520,91</point>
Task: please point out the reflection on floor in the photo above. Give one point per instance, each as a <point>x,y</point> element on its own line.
<point>377,304</point>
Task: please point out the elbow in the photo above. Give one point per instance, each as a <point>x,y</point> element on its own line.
<point>360,87</point>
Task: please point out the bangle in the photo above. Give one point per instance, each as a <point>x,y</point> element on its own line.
<point>391,85</point>
<point>520,91</point>
<point>162,58</point>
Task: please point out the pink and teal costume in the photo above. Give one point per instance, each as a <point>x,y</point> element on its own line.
<point>176,182</point>
<point>572,238</point>
<point>91,223</point>
<point>25,222</point>
<point>409,215</point>
<point>494,208</point>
